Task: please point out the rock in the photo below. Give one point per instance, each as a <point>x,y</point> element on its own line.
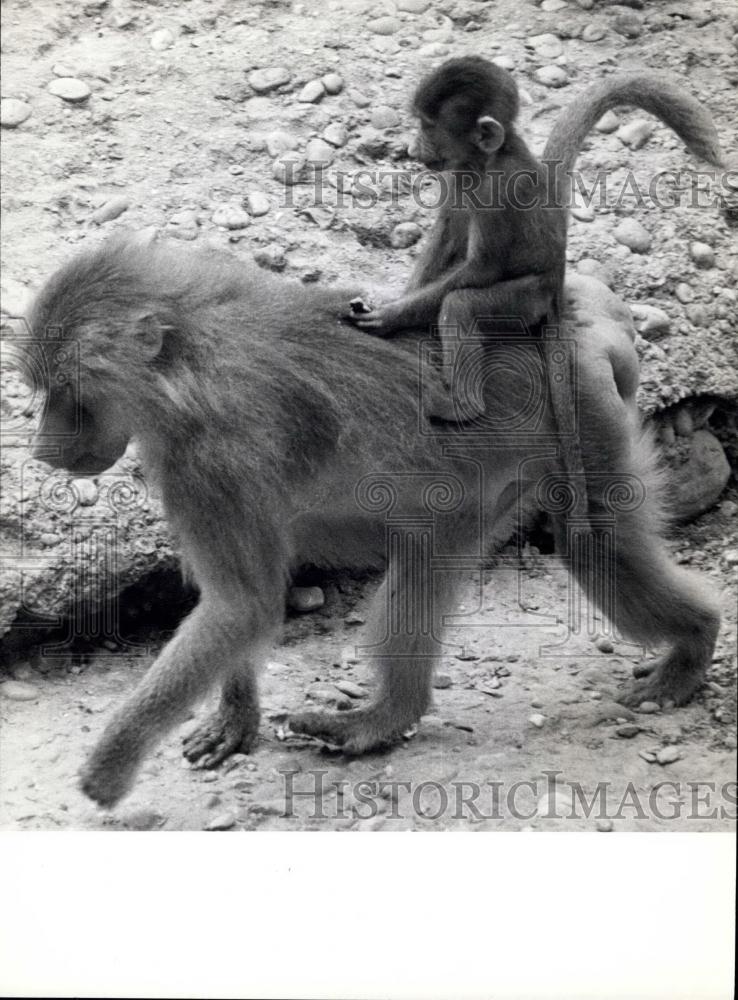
<point>384,117</point>
<point>593,268</point>
<point>142,819</point>
<point>270,807</point>
<point>628,24</point>
<point>354,618</point>
<point>413,6</point>
<point>231,217</point>
<point>405,234</point>
<point>608,123</point>
<point>305,599</point>
<point>551,76</point>
<point>605,645</point>
<point>70,89</point>
<point>384,26</point>
<point>551,6</point>
<point>702,254</point>
<point>359,99</point>
<point>668,755</point>
<point>265,80</point>
<point>312,92</point>
<point>289,167</point>
<point>697,314</point>
<point>13,112</point>
<point>593,33</point>
<point>633,235</point>
<point>319,154</point>
<point>18,691</point>
<point>628,731</point>
<point>537,720</point>
<point>257,203</point>
<point>636,134</point>
<point>336,134</point>
<point>650,321</point>
<point>110,210</point>
<point>279,142</point>
<point>699,481</point>
<point>684,292</point>
<point>351,689</point>
<point>584,213</point>
<point>223,821</point>
<point>332,83</point>
<point>546,46</point>
<point>604,825</point>
<point>86,490</point>
<point>442,681</point>
<point>161,40</point>
<point>650,758</point>
<point>648,707</point>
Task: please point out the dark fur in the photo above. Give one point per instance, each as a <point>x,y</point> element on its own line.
<point>257,413</point>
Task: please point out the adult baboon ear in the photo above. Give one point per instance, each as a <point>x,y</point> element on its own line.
<point>489,134</point>
<point>150,333</point>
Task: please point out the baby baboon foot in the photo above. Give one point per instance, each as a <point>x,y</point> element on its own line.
<point>219,736</point>
<point>356,732</point>
<point>663,680</point>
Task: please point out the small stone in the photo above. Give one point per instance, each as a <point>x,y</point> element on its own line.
<point>546,46</point>
<point>605,645</point>
<point>442,681</point>
<point>70,89</point>
<point>86,490</point>
<point>668,755</point>
<point>359,99</point>
<point>13,112</point>
<point>351,689</point>
<point>630,233</point>
<point>336,134</point>
<point>384,117</point>
<point>312,92</point>
<point>649,757</point>
<point>628,731</point>
<point>231,217</point>
<point>595,269</point>
<point>684,292</point>
<point>223,821</point>
<point>536,703</point>
<point>161,40</point>
<point>697,314</point>
<point>265,80</point>
<point>270,807</point>
<point>730,555</point>
<point>257,203</point>
<point>584,213</point>
<point>648,707</point>
<point>19,691</point>
<point>552,76</point>
<point>142,819</point>
<point>537,720</point>
<point>289,167</point>
<point>608,123</point>
<point>279,142</point>
<point>319,154</point>
<point>650,321</point>
<point>405,234</point>
<point>384,26</point>
<point>628,24</point>
<point>304,599</point>
<point>593,33</point>
<point>110,210</point>
<point>552,6</point>
<point>636,134</point>
<point>702,254</point>
<point>332,83</point>
<point>413,6</point>
<point>604,825</point>
<point>354,618</point>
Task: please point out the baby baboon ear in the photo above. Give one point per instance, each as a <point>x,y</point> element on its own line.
<point>150,333</point>
<point>489,134</point>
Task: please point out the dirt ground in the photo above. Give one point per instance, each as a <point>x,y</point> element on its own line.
<point>172,126</point>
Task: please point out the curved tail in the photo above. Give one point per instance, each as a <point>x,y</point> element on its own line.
<point>659,95</point>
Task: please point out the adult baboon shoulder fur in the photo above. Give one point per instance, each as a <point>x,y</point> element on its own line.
<point>263,418</point>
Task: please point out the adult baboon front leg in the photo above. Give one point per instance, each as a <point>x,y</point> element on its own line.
<point>406,626</point>
<point>209,641</point>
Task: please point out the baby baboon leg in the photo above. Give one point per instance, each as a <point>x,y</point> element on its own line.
<point>232,728</point>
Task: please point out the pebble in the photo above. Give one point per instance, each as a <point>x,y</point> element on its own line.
<point>650,321</point>
<point>546,46</point>
<point>288,168</point>
<point>608,123</point>
<point>731,555</point>
<point>70,89</point>
<point>584,213</point>
<point>279,142</point>
<point>630,233</point>
<point>684,292</point>
<point>697,314</point>
<point>359,99</point>
<point>593,33</point>
<point>442,681</point>
<point>668,755</point>
<point>605,645</point>
<point>649,757</point>
<point>537,720</point>
<point>161,40</point>
<point>551,6</point>
<point>264,80</point>
<point>351,689</point>
<point>86,490</point>
<point>552,76</point>
<point>19,691</point>
<point>636,134</point>
<point>628,24</point>
<point>413,6</point>
<point>142,819</point>
<point>223,821</point>
<point>318,153</point>
<point>648,707</point>
<point>628,731</point>
<point>604,826</point>
<point>384,26</point>
<point>305,599</point>
<point>332,82</point>
<point>384,117</point>
<point>231,217</point>
<point>257,203</point>
<point>110,210</point>
<point>354,618</point>
<point>405,234</point>
<point>312,92</point>
<point>336,134</point>
<point>702,254</point>
<point>594,269</point>
<point>270,807</point>
<point>13,112</point>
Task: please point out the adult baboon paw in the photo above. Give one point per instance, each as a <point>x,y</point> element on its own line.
<point>355,732</point>
<point>663,680</point>
<point>220,735</point>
